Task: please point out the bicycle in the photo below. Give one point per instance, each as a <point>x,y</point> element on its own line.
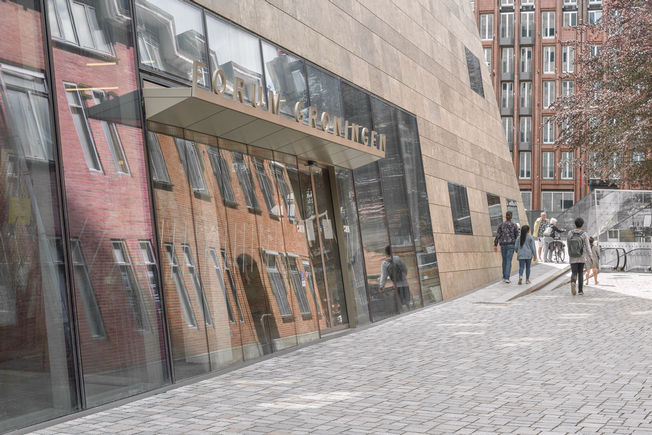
<point>558,249</point>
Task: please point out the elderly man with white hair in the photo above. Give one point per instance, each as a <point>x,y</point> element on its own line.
<point>549,235</point>
<point>540,226</point>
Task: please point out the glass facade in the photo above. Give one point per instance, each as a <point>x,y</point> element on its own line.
<point>136,254</point>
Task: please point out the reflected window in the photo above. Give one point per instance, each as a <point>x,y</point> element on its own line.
<point>286,193</point>
<point>159,170</point>
<point>310,283</point>
<point>513,207</point>
<point>112,137</point>
<point>27,100</point>
<point>460,208</point>
<point>76,22</point>
<point>246,181</point>
<point>227,269</point>
<point>77,105</point>
<point>324,91</point>
<point>265,186</point>
<point>149,259</point>
<point>199,290</point>
<point>184,299</point>
<point>237,53</point>
<point>475,75</point>
<point>495,212</point>
<point>125,266</point>
<point>285,74</point>
<point>278,286</point>
<point>299,289</point>
<point>192,164</point>
<point>86,291</point>
<point>171,37</point>
<point>220,280</point>
<point>222,175</point>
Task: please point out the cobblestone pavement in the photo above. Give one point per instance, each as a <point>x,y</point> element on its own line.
<point>547,362</point>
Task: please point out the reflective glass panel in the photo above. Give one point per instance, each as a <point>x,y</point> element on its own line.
<point>495,212</point>
<point>285,75</point>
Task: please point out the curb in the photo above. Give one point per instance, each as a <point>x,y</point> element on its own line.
<point>541,284</point>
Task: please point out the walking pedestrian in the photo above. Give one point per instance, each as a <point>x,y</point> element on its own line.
<point>506,235</point>
<point>526,252</point>
<point>551,234</point>
<point>579,253</point>
<point>595,251</point>
<point>537,232</point>
<point>395,269</point>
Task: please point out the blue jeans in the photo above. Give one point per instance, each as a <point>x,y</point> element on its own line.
<point>508,253</point>
<point>524,264</point>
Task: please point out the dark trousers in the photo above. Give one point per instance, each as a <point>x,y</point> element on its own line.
<point>577,270</point>
<point>404,295</point>
<point>508,253</point>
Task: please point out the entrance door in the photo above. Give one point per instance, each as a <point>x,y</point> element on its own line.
<point>323,244</point>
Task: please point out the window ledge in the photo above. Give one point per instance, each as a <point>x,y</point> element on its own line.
<point>306,316</point>
<point>288,318</point>
<point>65,45</point>
<point>162,185</point>
<point>254,210</point>
<point>202,196</point>
<point>231,204</point>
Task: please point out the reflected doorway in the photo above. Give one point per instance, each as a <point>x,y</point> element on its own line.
<point>323,246</point>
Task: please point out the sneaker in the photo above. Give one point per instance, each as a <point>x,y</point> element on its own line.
<point>520,280</point>
<point>581,293</point>
<point>528,282</point>
<point>506,281</point>
<point>573,288</point>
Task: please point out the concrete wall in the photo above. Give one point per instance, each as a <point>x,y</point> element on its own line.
<point>412,54</point>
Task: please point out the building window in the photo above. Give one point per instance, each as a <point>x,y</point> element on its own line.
<point>246,181</point>
<point>475,75</point>
<point>460,209</point>
<point>112,137</point>
<point>525,165</point>
<point>638,157</point>
<point>526,60</point>
<point>525,95</point>
<point>506,2</point>
<point>184,299</point>
<point>526,197</point>
<point>191,163</point>
<point>507,25</point>
<point>548,165</point>
<point>556,201</point>
<point>286,192</point>
<point>595,16</point>
<point>549,59</point>
<point>28,107</point>
<point>567,165</point>
<point>596,50</point>
<point>149,259</point>
<point>227,269</point>
<point>570,18</point>
<point>278,286</point>
<point>86,291</point>
<point>508,128</point>
<point>131,286</point>
<point>595,2</point>
<point>570,2</point>
<point>157,162</point>
<point>548,93</point>
<point>266,186</point>
<point>308,274</point>
<point>196,283</point>
<point>486,27</point>
<point>222,284</point>
<point>78,110</point>
<point>495,212</point>
<point>548,130</point>
<point>76,23</point>
<point>567,59</point>
<point>507,96</point>
<point>548,24</point>
<point>299,289</point>
<point>527,24</point>
<point>222,175</point>
<point>567,88</point>
<point>525,130</point>
<point>513,207</point>
<point>487,57</point>
<point>527,2</point>
<point>507,60</point>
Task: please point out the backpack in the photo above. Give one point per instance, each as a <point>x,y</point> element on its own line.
<point>395,272</point>
<point>548,231</point>
<point>576,245</point>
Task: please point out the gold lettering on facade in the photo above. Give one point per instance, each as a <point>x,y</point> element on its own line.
<point>219,87</point>
<point>256,95</point>
<point>312,117</point>
<point>352,131</point>
<point>298,114</point>
<point>239,90</point>
<point>382,141</point>
<point>274,102</point>
<point>338,126</point>
<point>365,136</point>
<point>325,122</point>
<point>373,139</point>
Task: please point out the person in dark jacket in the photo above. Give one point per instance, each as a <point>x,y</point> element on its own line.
<point>554,232</point>
<point>506,235</point>
<point>395,269</point>
<point>579,253</point>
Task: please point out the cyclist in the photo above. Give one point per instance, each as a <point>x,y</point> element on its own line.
<point>553,233</point>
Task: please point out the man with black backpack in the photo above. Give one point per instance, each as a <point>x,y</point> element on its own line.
<point>579,252</point>
<point>394,269</point>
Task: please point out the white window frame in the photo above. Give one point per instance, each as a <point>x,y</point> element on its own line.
<point>508,128</point>
<point>548,24</point>
<point>526,203</point>
<point>507,95</point>
<point>596,50</point>
<point>549,93</point>
<point>84,287</point>
<point>567,88</point>
<point>196,283</point>
<point>486,27</point>
<point>525,130</point>
<point>177,275</point>
<point>157,161</point>
<point>552,194</point>
<point>548,165</point>
<point>212,253</point>
<point>592,16</point>
<point>78,107</point>
<point>507,60</point>
<point>130,283</point>
<point>506,2</point>
<point>507,26</point>
<point>549,59</point>
<point>487,52</point>
<point>525,95</point>
<point>569,19</point>
<point>567,165</point>
<point>526,54</point>
<point>98,39</point>
<point>525,165</point>
<point>548,130</point>
<point>568,59</point>
<point>190,157</point>
<point>529,24</point>
<point>112,137</point>
<point>570,2</point>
